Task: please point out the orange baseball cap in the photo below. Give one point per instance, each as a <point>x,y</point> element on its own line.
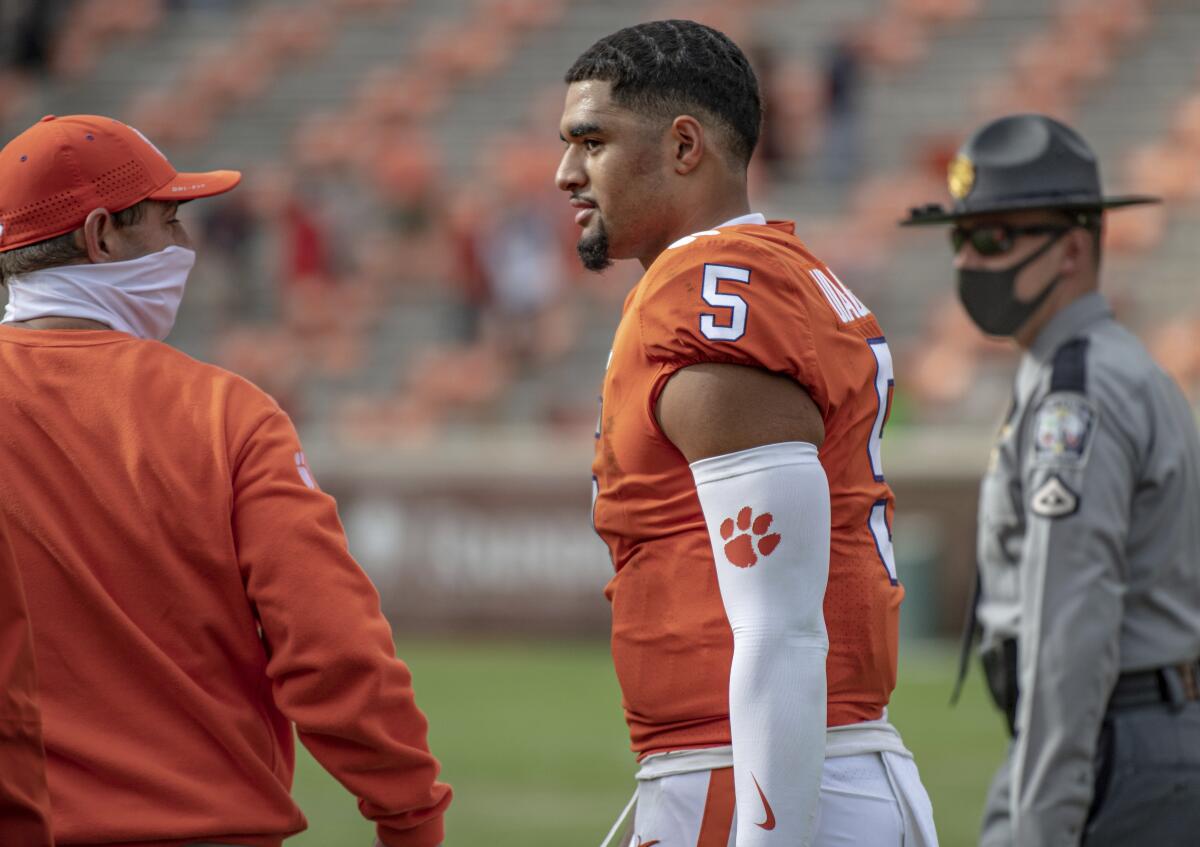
<point>56,172</point>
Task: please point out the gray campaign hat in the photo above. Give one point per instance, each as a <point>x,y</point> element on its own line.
<point>1022,162</point>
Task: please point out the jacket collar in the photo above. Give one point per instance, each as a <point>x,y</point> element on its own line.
<point>1070,322</point>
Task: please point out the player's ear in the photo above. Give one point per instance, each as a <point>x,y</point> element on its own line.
<point>687,143</point>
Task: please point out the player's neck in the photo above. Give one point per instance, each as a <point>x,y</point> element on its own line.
<point>703,217</point>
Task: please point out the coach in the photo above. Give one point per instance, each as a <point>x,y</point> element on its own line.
<point>1089,514</point>
<point>189,586</point>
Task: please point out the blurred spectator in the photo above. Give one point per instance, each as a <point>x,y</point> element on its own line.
<point>469,274</point>
<point>843,92</point>
<point>27,29</point>
<point>520,253</point>
<point>772,151</point>
<point>305,244</point>
<point>229,230</point>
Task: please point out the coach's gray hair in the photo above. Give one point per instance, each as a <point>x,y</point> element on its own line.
<point>60,250</point>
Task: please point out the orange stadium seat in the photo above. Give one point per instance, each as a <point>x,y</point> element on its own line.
<point>377,139</point>
<point>156,113</point>
<point>322,140</point>
<point>1173,346</point>
<point>398,96</point>
<point>939,11</point>
<point>730,17</point>
<point>1110,20</point>
<point>404,168</point>
<point>93,23</point>
<point>523,14</point>
<point>289,32</point>
<point>356,6</point>
<point>460,51</point>
<point>1185,125</point>
<point>1136,230</point>
<point>14,88</point>
<point>1165,169</point>
<point>894,40</point>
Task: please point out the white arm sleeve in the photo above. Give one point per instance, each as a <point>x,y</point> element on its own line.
<point>767,511</point>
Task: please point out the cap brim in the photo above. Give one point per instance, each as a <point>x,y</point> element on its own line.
<point>932,215</point>
<point>192,186</point>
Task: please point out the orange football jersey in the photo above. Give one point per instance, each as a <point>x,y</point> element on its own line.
<point>747,295</point>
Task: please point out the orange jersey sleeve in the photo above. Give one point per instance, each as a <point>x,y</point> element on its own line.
<point>726,298</point>
<point>755,296</point>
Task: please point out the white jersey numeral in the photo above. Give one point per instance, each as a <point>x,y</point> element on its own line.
<point>595,497</point>
<point>736,327</point>
<point>883,538</point>
<point>885,382</point>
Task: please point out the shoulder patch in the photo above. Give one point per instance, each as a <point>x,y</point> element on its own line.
<point>1069,369</point>
<point>1054,499</point>
<point>1062,429</point>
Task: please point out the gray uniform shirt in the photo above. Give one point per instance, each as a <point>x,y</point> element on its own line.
<point>1089,550</point>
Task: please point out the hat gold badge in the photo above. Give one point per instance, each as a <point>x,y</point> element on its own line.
<point>961,177</point>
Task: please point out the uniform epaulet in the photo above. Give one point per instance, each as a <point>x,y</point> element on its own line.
<point>1070,367</point>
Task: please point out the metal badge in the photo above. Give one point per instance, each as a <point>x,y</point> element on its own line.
<point>961,177</point>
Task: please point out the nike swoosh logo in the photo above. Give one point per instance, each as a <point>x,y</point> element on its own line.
<point>769,823</point>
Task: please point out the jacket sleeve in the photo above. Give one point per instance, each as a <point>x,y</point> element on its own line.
<point>332,662</point>
<point>24,801</point>
<point>1079,474</point>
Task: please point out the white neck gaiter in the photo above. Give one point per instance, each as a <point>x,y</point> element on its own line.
<point>140,296</point>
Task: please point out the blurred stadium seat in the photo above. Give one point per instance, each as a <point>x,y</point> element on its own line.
<point>401,136</point>
<point>358,274</point>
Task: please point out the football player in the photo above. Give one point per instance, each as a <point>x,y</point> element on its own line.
<point>737,478</point>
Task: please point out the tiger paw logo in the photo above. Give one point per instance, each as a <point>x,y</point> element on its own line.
<point>751,540</point>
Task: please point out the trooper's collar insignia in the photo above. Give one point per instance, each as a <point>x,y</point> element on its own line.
<point>960,176</point>
<point>1054,499</point>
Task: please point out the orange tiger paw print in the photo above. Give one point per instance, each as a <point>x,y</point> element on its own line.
<point>741,550</point>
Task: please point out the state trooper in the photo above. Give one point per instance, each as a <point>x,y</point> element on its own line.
<point>1088,593</point>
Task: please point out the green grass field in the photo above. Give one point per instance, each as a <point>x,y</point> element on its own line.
<point>531,737</point>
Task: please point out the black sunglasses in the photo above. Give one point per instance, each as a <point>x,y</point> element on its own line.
<point>996,239</point>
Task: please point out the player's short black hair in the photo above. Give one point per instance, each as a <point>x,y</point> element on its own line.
<point>669,68</point>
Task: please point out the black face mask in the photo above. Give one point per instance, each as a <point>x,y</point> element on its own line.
<point>988,295</point>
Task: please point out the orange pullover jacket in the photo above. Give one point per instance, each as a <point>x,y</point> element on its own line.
<point>191,596</point>
<point>24,803</point>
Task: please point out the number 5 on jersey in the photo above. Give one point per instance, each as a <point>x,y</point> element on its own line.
<point>735,328</point>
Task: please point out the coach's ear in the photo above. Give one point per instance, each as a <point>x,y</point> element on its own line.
<point>688,143</point>
<point>99,231</point>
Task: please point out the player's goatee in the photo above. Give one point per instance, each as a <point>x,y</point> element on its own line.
<point>593,248</point>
